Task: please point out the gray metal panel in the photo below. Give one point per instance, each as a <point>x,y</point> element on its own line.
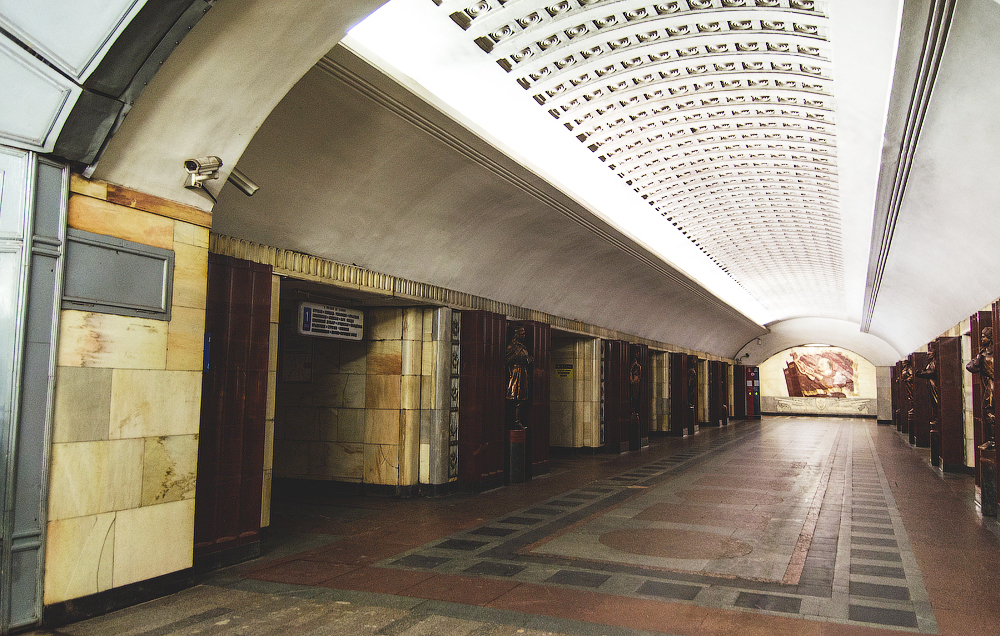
<point>113,276</point>
<point>26,371</point>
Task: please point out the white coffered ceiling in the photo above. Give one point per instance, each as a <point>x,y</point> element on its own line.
<point>717,119</point>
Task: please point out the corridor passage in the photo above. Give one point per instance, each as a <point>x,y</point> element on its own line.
<point>786,526</point>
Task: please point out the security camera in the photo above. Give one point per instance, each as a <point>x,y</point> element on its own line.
<point>200,170</point>
<point>243,182</point>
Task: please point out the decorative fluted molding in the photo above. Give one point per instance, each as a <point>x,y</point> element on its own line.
<point>896,167</point>
<point>339,275</point>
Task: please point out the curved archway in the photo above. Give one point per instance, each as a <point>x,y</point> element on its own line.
<point>800,331</point>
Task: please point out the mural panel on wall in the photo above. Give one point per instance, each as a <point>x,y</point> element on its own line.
<point>820,373</point>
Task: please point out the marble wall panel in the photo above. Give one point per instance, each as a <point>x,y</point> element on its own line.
<point>412,357</point>
<point>329,390</point>
<point>82,410</point>
<point>79,557</point>
<point>88,478</point>
<point>354,357</point>
<point>186,339</point>
<point>413,324</point>
<point>153,540</point>
<point>169,469</point>
<point>190,234</point>
<point>155,403</point>
<point>89,339</point>
<point>382,426</point>
<point>349,460</point>
<point>190,275</point>
<point>109,219</point>
<point>381,464</point>
<point>384,323</point>
<point>382,392</point>
<point>351,426</point>
<point>385,357</point>
<point>409,392</point>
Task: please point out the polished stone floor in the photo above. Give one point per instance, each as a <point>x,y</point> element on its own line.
<point>786,526</point>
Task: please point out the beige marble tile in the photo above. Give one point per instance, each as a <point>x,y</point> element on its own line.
<point>190,275</point>
<point>412,356</point>
<point>382,392</point>
<point>348,461</point>
<point>428,326</point>
<point>268,444</point>
<point>272,395</point>
<point>101,340</point>
<point>329,389</point>
<point>79,553</point>
<point>138,558</point>
<point>294,394</point>
<point>413,323</point>
<point>384,357</point>
<point>186,339</point>
<point>353,357</point>
<point>275,297</point>
<point>409,451</point>
<point>101,217</point>
<point>88,478</point>
<point>272,347</point>
<point>329,425</point>
<point>409,392</point>
<point>426,392</point>
<point>155,403</point>
<point>265,500</point>
<point>355,391</point>
<point>381,464</point>
<point>190,234</point>
<point>169,468</point>
<point>351,426</point>
<point>382,426</point>
<point>82,411</point>
<point>384,323</point>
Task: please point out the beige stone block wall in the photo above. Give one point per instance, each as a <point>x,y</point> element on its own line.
<point>587,416</point>
<point>272,387</point>
<point>969,423</point>
<point>126,412</point>
<point>358,418</point>
<point>659,392</point>
<point>562,395</point>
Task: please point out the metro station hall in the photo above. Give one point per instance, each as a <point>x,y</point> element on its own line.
<point>499,317</point>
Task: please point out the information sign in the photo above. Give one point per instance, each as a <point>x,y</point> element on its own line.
<point>326,321</point>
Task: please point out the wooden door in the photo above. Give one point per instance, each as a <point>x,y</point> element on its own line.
<point>951,408</point>
<point>482,391</point>
<point>678,403</point>
<point>233,408</point>
<point>921,433</point>
<point>739,390</point>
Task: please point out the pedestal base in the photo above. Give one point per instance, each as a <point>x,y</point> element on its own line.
<point>988,490</point>
<point>515,454</point>
<point>935,448</point>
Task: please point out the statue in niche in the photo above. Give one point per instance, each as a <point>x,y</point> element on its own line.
<point>907,377</point>
<point>983,365</point>
<point>635,385</point>
<point>518,375</point>
<point>692,388</point>
<point>929,373</point>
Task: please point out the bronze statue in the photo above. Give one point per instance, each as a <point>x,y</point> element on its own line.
<point>929,373</point>
<point>907,377</point>
<point>692,388</point>
<point>634,384</point>
<point>518,376</point>
<point>983,365</point>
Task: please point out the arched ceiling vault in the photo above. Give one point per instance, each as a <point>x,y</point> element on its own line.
<point>720,115</point>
